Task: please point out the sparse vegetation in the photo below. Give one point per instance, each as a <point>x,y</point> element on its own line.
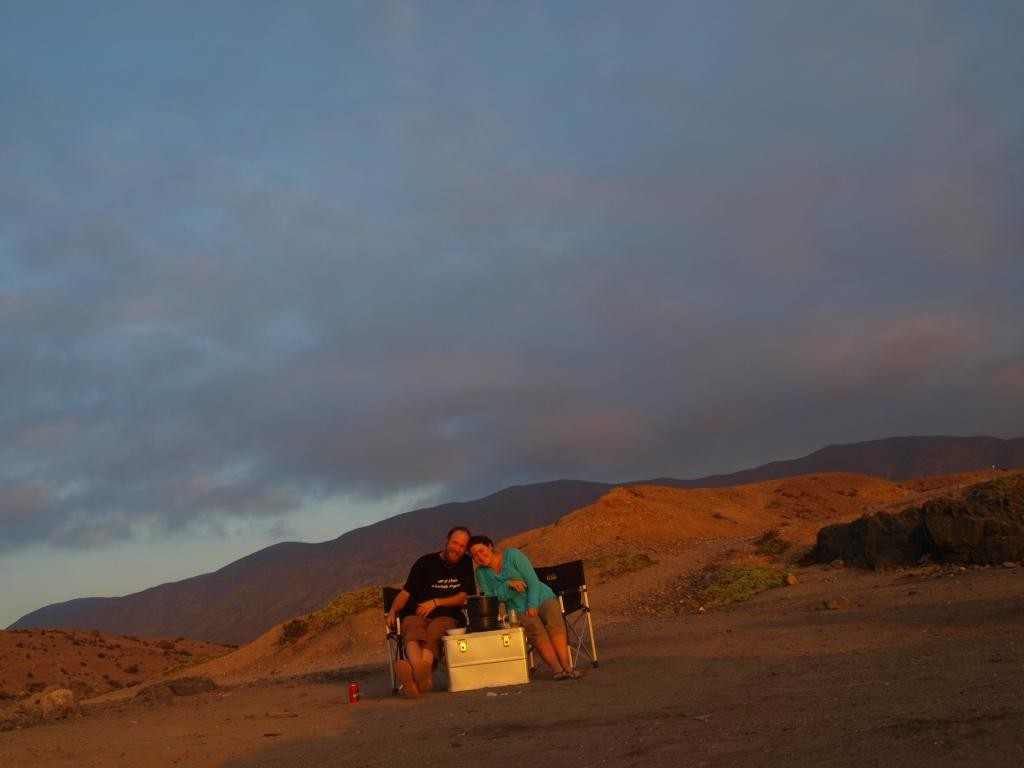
<point>617,565</point>
<point>632,562</point>
<point>770,543</point>
<point>736,583</point>
<point>344,605</point>
<point>292,631</point>
<point>1006,493</point>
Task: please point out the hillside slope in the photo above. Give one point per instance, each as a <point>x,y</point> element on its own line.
<point>247,597</point>
<point>642,548</point>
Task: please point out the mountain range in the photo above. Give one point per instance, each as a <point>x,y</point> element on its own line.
<point>238,602</point>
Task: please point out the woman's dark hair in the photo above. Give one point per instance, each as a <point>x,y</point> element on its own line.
<point>480,539</point>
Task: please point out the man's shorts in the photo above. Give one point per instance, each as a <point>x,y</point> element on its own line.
<point>428,631</point>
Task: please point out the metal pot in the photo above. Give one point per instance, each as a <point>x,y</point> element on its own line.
<point>482,606</point>
<point>483,623</point>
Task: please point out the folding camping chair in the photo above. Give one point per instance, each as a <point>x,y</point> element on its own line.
<point>569,584</point>
<point>393,638</point>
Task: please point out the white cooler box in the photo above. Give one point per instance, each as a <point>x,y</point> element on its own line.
<point>486,659</point>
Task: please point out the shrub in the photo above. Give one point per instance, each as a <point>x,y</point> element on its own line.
<point>346,604</point>
<point>632,562</point>
<point>736,583</point>
<point>292,631</point>
<point>770,543</point>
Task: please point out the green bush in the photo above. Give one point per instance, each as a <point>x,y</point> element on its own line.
<point>632,562</point>
<point>617,565</point>
<point>292,631</point>
<point>736,583</point>
<point>598,562</point>
<point>770,543</point>
<point>346,604</point>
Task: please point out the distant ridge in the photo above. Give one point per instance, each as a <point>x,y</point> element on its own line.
<point>894,458</point>
<point>243,599</point>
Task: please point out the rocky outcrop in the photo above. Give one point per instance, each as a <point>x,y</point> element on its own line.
<point>52,703</point>
<point>58,704</point>
<point>986,527</point>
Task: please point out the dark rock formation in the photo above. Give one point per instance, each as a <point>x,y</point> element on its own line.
<point>986,527</point>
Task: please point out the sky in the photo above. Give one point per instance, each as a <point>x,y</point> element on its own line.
<point>274,271</point>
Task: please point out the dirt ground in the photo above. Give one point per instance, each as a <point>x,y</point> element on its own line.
<point>922,667</point>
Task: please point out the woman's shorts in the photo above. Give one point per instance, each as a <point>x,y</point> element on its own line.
<point>546,623</point>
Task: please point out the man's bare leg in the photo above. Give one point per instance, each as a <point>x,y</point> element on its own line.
<point>422,662</point>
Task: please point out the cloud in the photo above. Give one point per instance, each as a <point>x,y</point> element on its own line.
<point>904,349</point>
<point>362,252</point>
<point>21,503</point>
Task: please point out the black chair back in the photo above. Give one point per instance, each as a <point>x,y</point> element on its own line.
<point>566,581</point>
<point>569,584</point>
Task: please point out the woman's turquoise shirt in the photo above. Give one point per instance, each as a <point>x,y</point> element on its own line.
<point>514,565</point>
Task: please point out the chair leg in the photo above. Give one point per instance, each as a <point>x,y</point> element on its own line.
<point>394,654</point>
<point>593,643</point>
<point>582,642</point>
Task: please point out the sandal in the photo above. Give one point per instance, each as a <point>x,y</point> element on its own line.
<point>561,675</point>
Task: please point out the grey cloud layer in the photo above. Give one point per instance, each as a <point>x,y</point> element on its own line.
<point>380,269</point>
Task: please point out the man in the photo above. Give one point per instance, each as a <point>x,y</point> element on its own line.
<point>438,584</point>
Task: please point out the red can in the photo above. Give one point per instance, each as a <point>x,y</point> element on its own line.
<point>353,693</point>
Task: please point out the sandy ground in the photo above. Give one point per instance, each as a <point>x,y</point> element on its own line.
<point>910,668</point>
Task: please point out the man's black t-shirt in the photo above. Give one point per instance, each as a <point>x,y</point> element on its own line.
<point>432,577</point>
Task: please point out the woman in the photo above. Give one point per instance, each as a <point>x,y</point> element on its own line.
<point>510,577</point>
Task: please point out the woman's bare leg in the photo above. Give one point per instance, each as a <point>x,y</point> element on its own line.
<point>547,652</point>
<point>561,648</point>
